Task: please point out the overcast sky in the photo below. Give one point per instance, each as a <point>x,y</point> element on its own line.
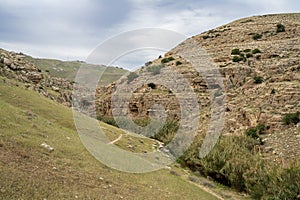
<point>70,30</point>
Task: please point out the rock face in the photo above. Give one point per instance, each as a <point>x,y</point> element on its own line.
<point>13,65</point>
<point>260,66</point>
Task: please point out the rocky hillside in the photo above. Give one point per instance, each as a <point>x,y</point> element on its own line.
<point>258,58</point>
<point>14,66</point>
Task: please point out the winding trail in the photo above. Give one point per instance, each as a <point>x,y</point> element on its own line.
<point>116,140</point>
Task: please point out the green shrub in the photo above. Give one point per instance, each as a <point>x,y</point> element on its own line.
<point>257,36</point>
<point>237,58</point>
<point>247,50</point>
<point>178,63</point>
<point>291,118</point>
<point>235,52</point>
<point>254,132</point>
<point>166,60</point>
<point>273,91</point>
<point>152,85</point>
<point>258,79</point>
<point>148,63</point>
<point>205,37</point>
<point>255,51</point>
<point>248,55</point>
<point>155,69</point>
<point>131,76</point>
<point>280,28</point>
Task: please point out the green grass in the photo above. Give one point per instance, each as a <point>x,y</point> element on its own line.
<point>68,69</point>
<point>28,171</point>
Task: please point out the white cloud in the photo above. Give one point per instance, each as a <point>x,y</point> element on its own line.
<point>70,30</point>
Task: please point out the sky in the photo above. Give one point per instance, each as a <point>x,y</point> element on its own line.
<point>71,30</point>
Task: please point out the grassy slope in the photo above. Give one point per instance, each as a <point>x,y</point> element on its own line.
<point>68,69</point>
<point>28,171</point>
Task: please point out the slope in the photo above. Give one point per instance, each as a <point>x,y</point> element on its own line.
<point>29,171</point>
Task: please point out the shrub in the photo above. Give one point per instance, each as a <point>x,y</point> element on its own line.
<point>235,52</point>
<point>152,85</point>
<point>254,132</point>
<point>258,79</point>
<point>257,36</point>
<point>165,60</point>
<point>205,37</point>
<point>178,63</point>
<point>248,55</point>
<point>273,91</point>
<point>291,118</point>
<point>247,50</point>
<point>131,76</point>
<point>280,28</point>
<point>237,58</point>
<point>155,69</point>
<point>255,51</point>
<point>148,63</point>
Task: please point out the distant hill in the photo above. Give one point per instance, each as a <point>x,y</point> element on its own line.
<point>68,69</point>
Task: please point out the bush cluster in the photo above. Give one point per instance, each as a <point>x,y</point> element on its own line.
<point>166,60</point>
<point>239,55</point>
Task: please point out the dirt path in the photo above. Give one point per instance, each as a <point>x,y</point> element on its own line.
<point>116,140</point>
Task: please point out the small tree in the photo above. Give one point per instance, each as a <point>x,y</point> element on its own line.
<point>257,36</point>
<point>280,28</point>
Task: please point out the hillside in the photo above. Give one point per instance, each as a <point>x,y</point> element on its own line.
<point>29,170</point>
<point>258,63</point>
<point>258,60</point>
<point>273,58</point>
